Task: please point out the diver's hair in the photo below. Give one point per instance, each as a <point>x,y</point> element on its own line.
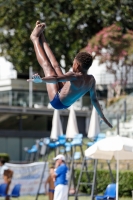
<point>84,59</point>
<point>8,173</point>
<point>2,161</point>
<point>52,167</point>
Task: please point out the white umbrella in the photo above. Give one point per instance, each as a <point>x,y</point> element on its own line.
<point>94,127</point>
<point>56,126</point>
<point>72,127</point>
<point>121,148</point>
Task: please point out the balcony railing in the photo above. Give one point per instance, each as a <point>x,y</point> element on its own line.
<point>105,79</point>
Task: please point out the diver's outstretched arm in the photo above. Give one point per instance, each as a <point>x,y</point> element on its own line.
<point>96,104</point>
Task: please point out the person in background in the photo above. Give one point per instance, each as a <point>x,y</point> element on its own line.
<point>61,178</point>
<point>50,182</point>
<point>2,166</point>
<point>7,177</point>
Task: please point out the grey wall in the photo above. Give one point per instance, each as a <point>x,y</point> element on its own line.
<point>15,147</point>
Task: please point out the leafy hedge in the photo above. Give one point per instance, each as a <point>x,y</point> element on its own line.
<point>5,156</point>
<point>103,179</point>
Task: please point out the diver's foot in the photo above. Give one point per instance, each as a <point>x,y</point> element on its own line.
<point>37,31</point>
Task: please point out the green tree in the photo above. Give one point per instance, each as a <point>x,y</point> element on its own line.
<point>115,49</point>
<point>69,26</point>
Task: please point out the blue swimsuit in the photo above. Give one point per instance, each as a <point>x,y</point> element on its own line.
<point>56,103</point>
<point>51,190</point>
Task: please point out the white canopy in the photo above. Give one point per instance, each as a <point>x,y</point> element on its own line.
<point>121,148</point>
<point>72,127</point>
<point>94,127</point>
<point>56,126</point>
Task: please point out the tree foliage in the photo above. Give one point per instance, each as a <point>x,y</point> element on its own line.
<point>115,49</point>
<point>69,26</point>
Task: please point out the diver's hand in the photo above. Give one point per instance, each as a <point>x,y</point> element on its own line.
<point>106,121</point>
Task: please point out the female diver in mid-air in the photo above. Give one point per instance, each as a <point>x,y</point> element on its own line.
<point>64,89</point>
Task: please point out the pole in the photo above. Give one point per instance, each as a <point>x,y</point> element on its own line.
<point>43,171</point>
<point>118,130</point>
<point>125,110</point>
<point>30,88</point>
<point>20,139</point>
<point>111,175</point>
<point>94,179</point>
<point>117,178</point>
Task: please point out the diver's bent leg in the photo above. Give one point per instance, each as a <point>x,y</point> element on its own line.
<point>49,53</point>
<point>52,58</point>
<point>44,63</point>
